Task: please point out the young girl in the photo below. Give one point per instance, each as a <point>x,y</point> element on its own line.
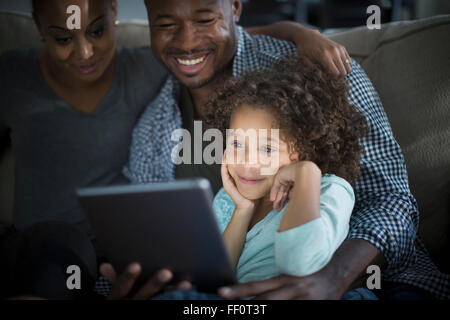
<point>292,220</point>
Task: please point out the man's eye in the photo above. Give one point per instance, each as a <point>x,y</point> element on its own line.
<point>166,25</point>
<point>205,21</point>
<point>97,32</point>
<point>63,40</point>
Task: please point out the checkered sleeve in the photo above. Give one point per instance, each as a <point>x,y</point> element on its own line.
<point>386,213</point>
<point>151,148</point>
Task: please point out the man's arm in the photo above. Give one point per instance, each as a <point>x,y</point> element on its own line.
<point>386,213</point>
<point>310,43</point>
<point>345,271</point>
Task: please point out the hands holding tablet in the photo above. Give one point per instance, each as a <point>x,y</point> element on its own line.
<point>123,283</point>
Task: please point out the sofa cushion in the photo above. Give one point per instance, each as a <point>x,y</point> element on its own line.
<point>409,65</point>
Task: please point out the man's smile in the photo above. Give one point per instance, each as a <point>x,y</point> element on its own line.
<point>190,65</point>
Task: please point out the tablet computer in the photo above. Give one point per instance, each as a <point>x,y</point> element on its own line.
<point>170,225</point>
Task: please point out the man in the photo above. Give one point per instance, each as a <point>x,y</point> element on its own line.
<point>200,43</point>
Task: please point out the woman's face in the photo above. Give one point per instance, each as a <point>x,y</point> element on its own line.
<point>83,53</point>
<point>249,161</point>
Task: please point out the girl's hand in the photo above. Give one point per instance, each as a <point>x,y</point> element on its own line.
<point>284,182</point>
<point>282,185</point>
<point>230,187</point>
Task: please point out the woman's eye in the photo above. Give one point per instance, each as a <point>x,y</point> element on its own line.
<point>97,32</point>
<point>63,40</point>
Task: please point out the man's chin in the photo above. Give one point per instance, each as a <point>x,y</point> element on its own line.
<point>194,82</point>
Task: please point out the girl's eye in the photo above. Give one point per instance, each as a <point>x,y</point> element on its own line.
<point>63,40</point>
<point>268,150</point>
<point>97,32</point>
<point>236,144</point>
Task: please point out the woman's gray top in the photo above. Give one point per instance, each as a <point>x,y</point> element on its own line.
<point>58,149</point>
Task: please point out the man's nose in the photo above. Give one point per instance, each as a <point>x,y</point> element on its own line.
<point>85,48</point>
<point>187,37</point>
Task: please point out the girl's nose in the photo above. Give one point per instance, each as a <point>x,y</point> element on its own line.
<point>251,159</point>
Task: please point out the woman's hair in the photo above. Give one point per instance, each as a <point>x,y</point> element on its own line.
<point>311,107</point>
<point>35,5</point>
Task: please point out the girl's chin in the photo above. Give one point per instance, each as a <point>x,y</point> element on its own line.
<point>255,195</point>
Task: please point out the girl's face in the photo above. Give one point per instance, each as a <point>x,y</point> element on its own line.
<point>249,156</point>
<point>84,53</point>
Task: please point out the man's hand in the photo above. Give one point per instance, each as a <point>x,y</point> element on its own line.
<point>124,283</point>
<point>313,287</point>
<point>312,45</point>
<point>345,271</point>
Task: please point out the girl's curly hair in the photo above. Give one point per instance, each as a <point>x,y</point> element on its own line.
<point>311,107</point>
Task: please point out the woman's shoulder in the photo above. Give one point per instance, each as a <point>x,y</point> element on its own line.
<point>139,59</point>
<point>19,68</point>
<point>14,60</point>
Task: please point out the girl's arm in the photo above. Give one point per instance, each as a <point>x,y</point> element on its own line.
<point>310,44</point>
<point>236,231</point>
<point>316,219</point>
<point>304,204</point>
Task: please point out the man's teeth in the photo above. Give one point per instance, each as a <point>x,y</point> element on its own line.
<point>191,62</point>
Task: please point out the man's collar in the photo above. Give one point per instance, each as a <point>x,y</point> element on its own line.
<point>244,55</point>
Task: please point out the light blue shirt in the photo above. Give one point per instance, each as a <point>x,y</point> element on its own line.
<point>299,251</point>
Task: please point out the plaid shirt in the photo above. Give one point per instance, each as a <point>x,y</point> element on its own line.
<point>385,214</point>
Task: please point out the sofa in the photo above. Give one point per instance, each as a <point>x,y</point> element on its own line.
<point>409,65</point>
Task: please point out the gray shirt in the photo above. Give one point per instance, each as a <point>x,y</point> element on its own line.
<point>58,149</point>
<point>192,170</point>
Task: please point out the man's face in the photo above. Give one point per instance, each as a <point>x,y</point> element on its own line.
<point>195,39</point>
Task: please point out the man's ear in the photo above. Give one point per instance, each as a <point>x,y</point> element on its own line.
<point>237,10</point>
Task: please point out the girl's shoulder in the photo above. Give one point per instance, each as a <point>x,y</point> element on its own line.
<point>223,202</point>
<point>223,207</point>
<point>334,184</point>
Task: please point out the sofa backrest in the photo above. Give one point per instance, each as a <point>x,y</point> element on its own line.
<point>409,65</point>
